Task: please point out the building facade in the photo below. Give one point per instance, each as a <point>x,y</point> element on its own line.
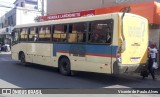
<point>63,6</point>
<point>30,4</point>
<point>24,12</point>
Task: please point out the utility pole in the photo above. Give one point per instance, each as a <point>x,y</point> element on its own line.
<point>102,3</point>
<point>42,7</point>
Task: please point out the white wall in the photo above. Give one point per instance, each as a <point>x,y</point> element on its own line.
<point>25,16</point>
<point>29,6</point>
<point>26,5</point>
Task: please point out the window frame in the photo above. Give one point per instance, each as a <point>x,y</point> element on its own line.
<point>36,33</point>
<point>45,39</point>
<point>77,42</point>
<point>89,31</point>
<point>20,31</point>
<point>17,30</point>
<point>65,29</point>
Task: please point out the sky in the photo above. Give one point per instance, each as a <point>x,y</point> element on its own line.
<point>5,3</point>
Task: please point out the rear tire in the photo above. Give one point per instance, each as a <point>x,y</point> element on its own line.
<point>64,66</point>
<point>22,59</point>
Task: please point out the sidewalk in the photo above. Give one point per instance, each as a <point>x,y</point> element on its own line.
<point>157,71</point>
<point>5,52</point>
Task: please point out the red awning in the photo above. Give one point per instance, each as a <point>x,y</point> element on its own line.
<point>149,10</point>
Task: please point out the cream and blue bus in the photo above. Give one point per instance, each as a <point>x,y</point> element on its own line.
<point>110,43</point>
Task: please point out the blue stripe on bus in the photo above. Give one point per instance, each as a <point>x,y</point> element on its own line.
<point>94,50</point>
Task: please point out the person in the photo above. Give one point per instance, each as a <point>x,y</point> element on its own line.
<point>35,38</point>
<point>95,38</point>
<point>95,35</point>
<point>108,38</point>
<point>152,58</point>
<point>7,48</point>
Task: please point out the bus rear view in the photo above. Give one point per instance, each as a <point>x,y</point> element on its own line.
<point>133,43</point>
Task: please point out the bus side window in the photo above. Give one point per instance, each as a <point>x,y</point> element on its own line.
<point>60,33</point>
<point>33,34</point>
<point>48,33</point>
<point>15,36</point>
<point>101,31</point>
<point>82,30</point>
<point>24,34</point>
<point>44,33</point>
<point>77,33</point>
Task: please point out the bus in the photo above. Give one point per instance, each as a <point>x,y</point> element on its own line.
<point>113,43</point>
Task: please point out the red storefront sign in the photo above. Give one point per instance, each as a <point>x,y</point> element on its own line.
<point>67,15</point>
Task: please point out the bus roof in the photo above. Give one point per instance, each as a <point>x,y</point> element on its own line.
<point>73,20</point>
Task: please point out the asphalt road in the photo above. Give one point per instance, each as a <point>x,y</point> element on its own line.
<point>14,75</point>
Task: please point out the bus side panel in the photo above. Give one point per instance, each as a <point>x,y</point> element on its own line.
<point>16,50</point>
<point>97,58</point>
<point>29,57</point>
<point>53,59</point>
<point>41,53</point>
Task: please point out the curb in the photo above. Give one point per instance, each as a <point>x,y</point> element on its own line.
<point>5,53</point>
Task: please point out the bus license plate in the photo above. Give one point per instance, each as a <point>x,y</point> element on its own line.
<point>135,59</point>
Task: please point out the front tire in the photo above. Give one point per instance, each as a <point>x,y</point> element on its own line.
<point>22,59</point>
<point>64,66</point>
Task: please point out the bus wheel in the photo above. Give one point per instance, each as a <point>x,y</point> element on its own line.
<point>64,66</point>
<point>22,59</point>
